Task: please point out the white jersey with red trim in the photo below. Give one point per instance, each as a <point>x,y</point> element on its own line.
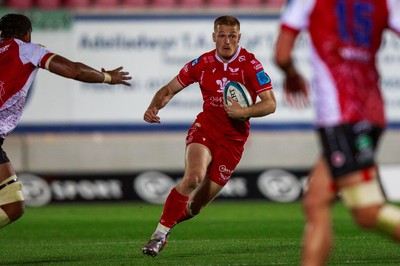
<point>345,37</point>
<point>213,74</point>
<point>19,63</point>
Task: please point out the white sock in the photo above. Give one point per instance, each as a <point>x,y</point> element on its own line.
<point>161,231</point>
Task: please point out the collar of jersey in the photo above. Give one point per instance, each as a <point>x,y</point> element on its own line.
<point>233,57</point>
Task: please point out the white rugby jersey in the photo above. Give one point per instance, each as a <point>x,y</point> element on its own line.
<point>345,37</point>
<point>19,63</point>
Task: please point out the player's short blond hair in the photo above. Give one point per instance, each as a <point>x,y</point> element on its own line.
<point>227,21</point>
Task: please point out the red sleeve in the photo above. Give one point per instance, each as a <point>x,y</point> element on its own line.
<point>191,72</point>
<point>259,80</point>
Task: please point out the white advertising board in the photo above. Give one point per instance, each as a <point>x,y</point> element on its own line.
<point>153,49</point>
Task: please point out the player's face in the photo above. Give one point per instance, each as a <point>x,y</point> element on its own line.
<point>226,40</point>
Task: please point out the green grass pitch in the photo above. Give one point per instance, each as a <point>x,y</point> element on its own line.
<point>225,233</point>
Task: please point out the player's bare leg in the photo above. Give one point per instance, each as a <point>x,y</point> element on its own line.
<point>200,198</point>
<point>11,199</point>
<point>317,202</point>
<point>197,160</point>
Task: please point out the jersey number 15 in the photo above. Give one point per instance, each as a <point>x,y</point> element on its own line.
<point>355,22</point>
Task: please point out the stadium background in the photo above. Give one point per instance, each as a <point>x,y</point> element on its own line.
<point>79,142</point>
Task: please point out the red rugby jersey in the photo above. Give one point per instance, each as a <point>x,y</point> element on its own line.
<point>212,74</point>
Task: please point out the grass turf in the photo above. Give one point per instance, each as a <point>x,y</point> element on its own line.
<point>226,233</point>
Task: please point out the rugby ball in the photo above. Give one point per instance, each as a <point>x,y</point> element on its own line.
<point>239,93</point>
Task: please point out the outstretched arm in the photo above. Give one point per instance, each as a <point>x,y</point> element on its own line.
<point>78,71</point>
<point>295,87</point>
<point>161,99</point>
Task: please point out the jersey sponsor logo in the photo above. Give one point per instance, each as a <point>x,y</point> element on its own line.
<point>356,54</point>
<point>242,58</point>
<point>233,70</point>
<point>222,83</point>
<point>262,78</point>
<point>224,172</point>
<point>4,49</point>
<point>217,102</point>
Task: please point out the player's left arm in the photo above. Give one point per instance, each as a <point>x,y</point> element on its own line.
<point>266,105</point>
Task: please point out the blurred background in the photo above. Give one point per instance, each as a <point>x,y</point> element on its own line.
<point>88,142</point>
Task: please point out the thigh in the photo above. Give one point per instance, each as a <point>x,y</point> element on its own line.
<point>197,159</point>
<point>321,189</point>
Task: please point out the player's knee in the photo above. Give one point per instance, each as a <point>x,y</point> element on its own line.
<point>193,180</point>
<point>312,202</point>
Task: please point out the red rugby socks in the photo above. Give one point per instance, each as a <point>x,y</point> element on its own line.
<point>174,207</point>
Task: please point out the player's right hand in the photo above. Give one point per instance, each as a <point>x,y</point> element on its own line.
<point>296,92</point>
<point>118,76</point>
<point>150,116</point>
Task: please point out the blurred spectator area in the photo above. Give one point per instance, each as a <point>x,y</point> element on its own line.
<point>139,4</point>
